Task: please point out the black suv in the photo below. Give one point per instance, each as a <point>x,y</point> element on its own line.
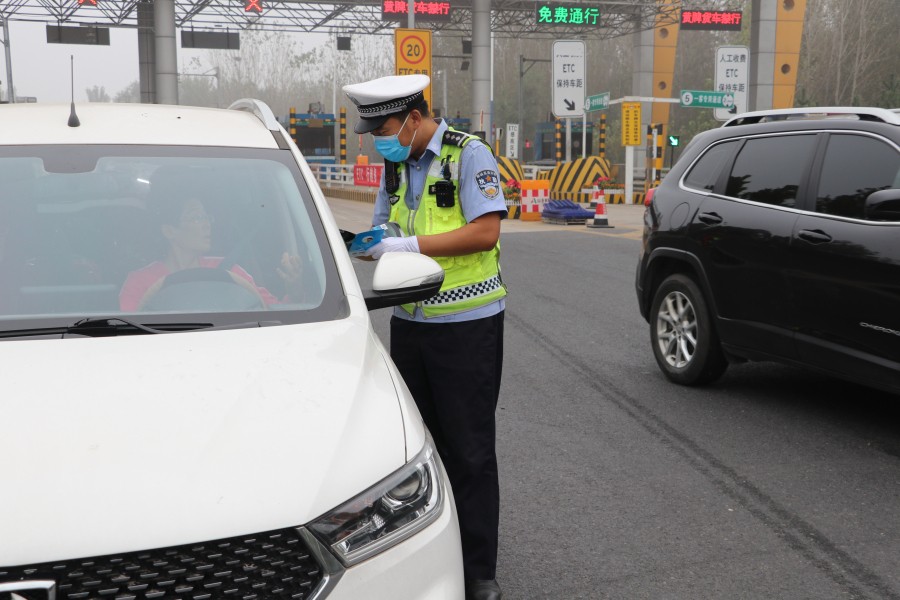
<point>777,237</point>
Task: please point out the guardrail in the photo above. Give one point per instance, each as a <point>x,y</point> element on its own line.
<point>340,175</point>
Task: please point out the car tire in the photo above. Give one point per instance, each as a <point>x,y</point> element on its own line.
<point>684,340</point>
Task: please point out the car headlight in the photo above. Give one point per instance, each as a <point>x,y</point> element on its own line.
<point>384,515</point>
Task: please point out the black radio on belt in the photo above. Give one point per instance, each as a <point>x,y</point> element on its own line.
<point>444,190</point>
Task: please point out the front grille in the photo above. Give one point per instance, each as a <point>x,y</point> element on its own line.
<point>276,564</point>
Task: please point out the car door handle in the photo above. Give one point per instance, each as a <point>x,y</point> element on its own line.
<point>814,236</point>
<point>710,218</point>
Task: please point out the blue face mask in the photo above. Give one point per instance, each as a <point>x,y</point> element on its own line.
<point>389,146</point>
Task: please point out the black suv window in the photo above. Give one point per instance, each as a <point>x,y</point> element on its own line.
<point>770,169</point>
<point>705,172</point>
<point>854,167</point>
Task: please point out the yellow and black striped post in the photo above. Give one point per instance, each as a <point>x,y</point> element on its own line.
<point>658,157</point>
<point>558,135</point>
<point>343,136</point>
<point>648,162</point>
<point>293,125</point>
<point>601,135</point>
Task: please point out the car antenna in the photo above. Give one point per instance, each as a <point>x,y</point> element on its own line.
<point>73,118</point>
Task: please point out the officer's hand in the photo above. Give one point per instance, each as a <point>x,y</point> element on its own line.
<point>393,244</point>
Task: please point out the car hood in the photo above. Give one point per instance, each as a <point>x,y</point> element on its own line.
<point>119,444</point>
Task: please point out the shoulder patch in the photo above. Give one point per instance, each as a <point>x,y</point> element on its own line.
<point>489,183</point>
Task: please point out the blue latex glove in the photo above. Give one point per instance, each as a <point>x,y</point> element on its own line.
<point>393,244</point>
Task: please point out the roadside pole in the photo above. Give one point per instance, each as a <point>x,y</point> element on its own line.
<point>584,135</point>
<point>10,87</point>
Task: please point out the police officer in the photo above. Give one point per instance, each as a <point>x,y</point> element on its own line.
<point>443,188</point>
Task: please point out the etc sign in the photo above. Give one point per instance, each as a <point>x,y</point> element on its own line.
<point>733,77</point>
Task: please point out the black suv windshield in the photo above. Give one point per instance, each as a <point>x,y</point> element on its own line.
<point>160,232</point>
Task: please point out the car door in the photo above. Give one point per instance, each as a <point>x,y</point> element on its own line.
<point>846,269</point>
<point>743,233</point>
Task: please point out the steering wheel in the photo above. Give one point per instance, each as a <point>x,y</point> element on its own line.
<point>203,289</point>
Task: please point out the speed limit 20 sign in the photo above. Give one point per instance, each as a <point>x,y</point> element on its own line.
<point>412,49</point>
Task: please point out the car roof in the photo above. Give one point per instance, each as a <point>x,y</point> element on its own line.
<point>141,124</point>
<point>861,113</point>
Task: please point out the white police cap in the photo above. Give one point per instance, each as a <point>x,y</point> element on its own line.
<point>378,99</point>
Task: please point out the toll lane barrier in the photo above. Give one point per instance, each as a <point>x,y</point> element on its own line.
<point>510,168</point>
<point>535,193</point>
<point>513,206</point>
<point>578,174</point>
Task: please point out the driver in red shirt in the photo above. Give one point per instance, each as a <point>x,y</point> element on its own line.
<point>188,229</point>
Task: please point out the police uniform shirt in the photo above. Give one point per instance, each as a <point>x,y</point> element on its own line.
<point>474,159</point>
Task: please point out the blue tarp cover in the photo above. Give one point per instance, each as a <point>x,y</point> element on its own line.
<point>565,209</point>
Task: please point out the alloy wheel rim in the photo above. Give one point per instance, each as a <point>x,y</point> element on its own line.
<point>676,330</point>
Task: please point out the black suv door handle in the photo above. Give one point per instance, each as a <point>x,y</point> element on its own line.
<point>710,218</point>
<point>814,236</point>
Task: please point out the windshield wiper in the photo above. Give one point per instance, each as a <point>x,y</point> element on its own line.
<point>113,326</point>
<point>103,327</point>
<point>106,326</point>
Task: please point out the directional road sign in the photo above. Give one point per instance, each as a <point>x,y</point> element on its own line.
<point>512,140</point>
<point>706,99</point>
<point>597,102</point>
<point>733,77</point>
<point>568,78</point>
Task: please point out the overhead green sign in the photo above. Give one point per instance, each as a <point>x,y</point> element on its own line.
<point>558,13</point>
<point>703,99</point>
<point>597,102</point>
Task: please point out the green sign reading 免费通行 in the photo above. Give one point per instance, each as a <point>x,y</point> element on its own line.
<point>577,15</point>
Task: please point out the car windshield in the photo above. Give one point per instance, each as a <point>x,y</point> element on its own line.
<point>98,231</point>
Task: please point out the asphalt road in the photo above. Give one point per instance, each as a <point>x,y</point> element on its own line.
<point>772,483</point>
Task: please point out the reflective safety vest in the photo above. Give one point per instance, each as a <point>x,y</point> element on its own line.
<point>470,281</point>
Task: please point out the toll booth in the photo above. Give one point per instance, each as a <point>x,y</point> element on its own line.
<point>544,147</point>
<point>314,134</point>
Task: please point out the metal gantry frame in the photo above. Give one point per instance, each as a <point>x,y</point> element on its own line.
<point>509,18</point>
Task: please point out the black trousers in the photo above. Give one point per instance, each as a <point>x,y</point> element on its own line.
<point>453,371</point>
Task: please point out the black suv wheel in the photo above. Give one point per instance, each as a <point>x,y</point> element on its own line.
<point>685,343</point>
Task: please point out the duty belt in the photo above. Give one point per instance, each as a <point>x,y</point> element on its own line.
<point>466,292</point>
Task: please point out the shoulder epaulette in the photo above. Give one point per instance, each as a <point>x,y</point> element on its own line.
<point>455,138</point>
<point>461,139</point>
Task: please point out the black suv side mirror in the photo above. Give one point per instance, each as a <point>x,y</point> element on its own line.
<point>883,205</point>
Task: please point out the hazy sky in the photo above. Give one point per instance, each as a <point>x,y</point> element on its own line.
<point>42,70</point>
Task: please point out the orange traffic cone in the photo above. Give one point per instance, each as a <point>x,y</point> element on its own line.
<point>600,219</point>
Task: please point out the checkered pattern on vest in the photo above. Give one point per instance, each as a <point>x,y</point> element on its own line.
<point>466,292</point>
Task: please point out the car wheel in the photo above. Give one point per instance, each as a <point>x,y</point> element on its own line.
<point>684,340</point>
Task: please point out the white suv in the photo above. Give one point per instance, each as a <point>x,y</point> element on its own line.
<point>194,402</point>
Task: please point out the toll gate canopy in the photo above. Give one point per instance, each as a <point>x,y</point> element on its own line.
<point>509,18</point>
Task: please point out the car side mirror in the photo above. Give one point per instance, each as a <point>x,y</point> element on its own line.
<point>883,205</point>
<point>402,278</point>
